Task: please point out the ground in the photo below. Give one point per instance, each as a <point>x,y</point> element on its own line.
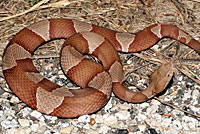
<point>177,110</point>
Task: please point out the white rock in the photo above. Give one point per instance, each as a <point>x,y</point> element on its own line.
<point>67,130</point>
<point>86,126</point>
<point>177,112</point>
<point>197,87</point>
<point>2,116</point>
<point>172,131</point>
<point>54,118</point>
<point>195,109</point>
<point>11,131</point>
<point>104,129</point>
<point>84,118</point>
<point>105,116</point>
<point>14,99</point>
<point>111,120</point>
<point>166,122</point>
<point>99,119</point>
<point>63,125</point>
<point>27,130</point>
<point>144,105</point>
<point>120,125</point>
<point>9,112</point>
<point>41,129</point>
<point>34,127</point>
<point>42,119</point>
<point>91,132</point>
<point>108,105</point>
<point>1,113</point>
<point>176,124</point>
<point>125,106</point>
<point>9,118</point>
<point>74,131</point>
<point>47,132</point>
<point>195,93</point>
<point>24,122</point>
<point>26,111</point>
<point>15,131</point>
<point>56,133</point>
<point>156,120</point>
<point>123,115</point>
<point>190,132</point>
<point>155,102</point>
<point>187,95</point>
<point>142,127</point>
<point>152,109</point>
<point>185,126</point>
<point>180,78</point>
<point>20,131</point>
<point>36,114</point>
<point>9,124</point>
<point>142,117</point>
<point>190,122</point>
<point>14,122</point>
<point>129,61</point>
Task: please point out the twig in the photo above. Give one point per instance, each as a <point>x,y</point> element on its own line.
<point>149,58</point>
<point>195,1</point>
<point>27,11</point>
<point>180,8</point>
<point>190,74</point>
<point>45,57</point>
<point>170,105</point>
<point>62,3</point>
<point>40,5</point>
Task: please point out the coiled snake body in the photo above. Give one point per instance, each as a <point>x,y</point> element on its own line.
<point>97,81</point>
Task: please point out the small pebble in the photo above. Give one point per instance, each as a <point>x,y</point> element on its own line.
<point>166,122</point>
<point>124,106</point>
<point>9,124</point>
<point>104,129</point>
<point>14,99</point>
<point>156,119</point>
<point>91,132</point>
<point>27,130</point>
<point>142,127</point>
<point>42,128</point>
<point>142,116</point>
<point>67,130</point>
<point>36,114</point>
<point>123,115</point>
<point>34,127</point>
<point>86,126</point>
<point>84,118</point>
<point>24,122</point>
<point>122,131</point>
<point>1,91</point>
<point>108,105</point>
<point>111,119</point>
<point>25,111</point>
<point>173,131</point>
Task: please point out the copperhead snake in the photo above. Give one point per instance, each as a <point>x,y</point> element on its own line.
<point>97,80</point>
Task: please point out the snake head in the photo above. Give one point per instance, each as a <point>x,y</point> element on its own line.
<point>161,77</point>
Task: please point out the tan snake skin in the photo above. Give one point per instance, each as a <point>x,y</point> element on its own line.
<point>97,80</point>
